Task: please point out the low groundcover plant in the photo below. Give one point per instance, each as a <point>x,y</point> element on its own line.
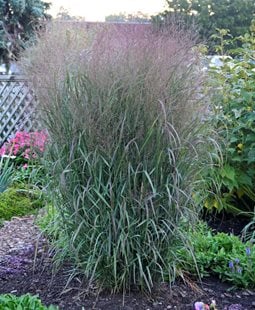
<point>19,201</point>
<point>28,302</point>
<point>221,254</point>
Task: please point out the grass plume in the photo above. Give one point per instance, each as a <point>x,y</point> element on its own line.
<point>122,106</point>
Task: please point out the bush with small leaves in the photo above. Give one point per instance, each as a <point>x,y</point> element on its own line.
<point>221,254</point>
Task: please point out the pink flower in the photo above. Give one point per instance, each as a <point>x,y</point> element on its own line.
<point>26,145</point>
<point>2,150</point>
<point>27,153</point>
<point>25,166</point>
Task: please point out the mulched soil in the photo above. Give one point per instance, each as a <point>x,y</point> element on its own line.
<point>21,274</point>
<point>227,223</point>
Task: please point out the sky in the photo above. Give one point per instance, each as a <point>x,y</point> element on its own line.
<point>96,10</point>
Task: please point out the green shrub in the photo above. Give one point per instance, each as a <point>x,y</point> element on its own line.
<point>24,302</point>
<point>127,148</point>
<point>19,201</point>
<point>234,119</point>
<point>221,254</point>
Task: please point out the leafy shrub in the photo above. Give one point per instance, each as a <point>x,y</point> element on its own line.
<point>220,254</point>
<point>19,201</point>
<point>24,302</point>
<point>234,119</point>
<point>128,147</point>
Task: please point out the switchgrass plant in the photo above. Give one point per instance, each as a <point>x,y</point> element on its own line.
<point>127,147</point>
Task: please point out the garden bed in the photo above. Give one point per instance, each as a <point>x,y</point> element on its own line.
<point>24,272</point>
<point>124,177</point>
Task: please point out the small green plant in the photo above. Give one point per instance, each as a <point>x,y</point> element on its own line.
<point>221,254</point>
<point>24,302</point>
<point>50,224</point>
<point>6,172</point>
<point>32,174</point>
<point>221,36</point>
<point>18,201</point>
<point>48,221</point>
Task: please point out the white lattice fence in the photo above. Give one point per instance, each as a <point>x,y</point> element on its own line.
<point>17,106</point>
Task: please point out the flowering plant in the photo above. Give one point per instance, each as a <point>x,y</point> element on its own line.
<point>199,305</point>
<point>221,254</point>
<point>25,146</point>
<point>242,272</point>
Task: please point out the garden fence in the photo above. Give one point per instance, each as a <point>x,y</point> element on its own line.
<point>17,106</point>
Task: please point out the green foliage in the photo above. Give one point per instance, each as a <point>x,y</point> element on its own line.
<point>26,175</point>
<point>234,120</point>
<point>6,173</point>
<point>17,201</point>
<point>220,254</point>
<point>24,302</point>
<point>235,15</point>
<point>127,150</point>
<point>21,156</point>
<point>32,174</point>
<point>18,21</point>
<point>138,17</point>
<point>63,14</point>
<point>49,221</point>
<point>248,230</point>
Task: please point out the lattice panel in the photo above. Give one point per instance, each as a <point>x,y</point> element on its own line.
<point>17,107</point>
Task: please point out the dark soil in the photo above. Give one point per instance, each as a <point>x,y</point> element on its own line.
<point>228,223</point>
<point>20,274</point>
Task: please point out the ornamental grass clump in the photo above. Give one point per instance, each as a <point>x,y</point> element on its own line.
<point>126,151</point>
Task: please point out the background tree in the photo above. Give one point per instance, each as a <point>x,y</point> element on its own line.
<point>64,15</point>
<point>137,17</point>
<point>18,21</point>
<point>235,15</point>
